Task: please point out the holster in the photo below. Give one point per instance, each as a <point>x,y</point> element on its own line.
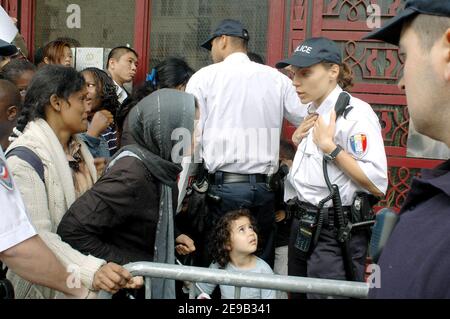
<point>276,181</point>
<point>362,208</point>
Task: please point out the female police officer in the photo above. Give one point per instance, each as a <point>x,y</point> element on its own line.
<point>337,154</point>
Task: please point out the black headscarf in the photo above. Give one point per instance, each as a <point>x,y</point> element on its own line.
<point>151,123</point>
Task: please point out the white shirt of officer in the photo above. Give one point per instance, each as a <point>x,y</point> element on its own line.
<point>359,134</point>
<point>237,98</point>
<point>15,226</point>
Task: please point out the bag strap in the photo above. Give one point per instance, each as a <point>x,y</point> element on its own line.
<point>27,155</point>
<point>120,156</point>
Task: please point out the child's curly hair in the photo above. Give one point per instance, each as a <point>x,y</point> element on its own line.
<point>221,235</point>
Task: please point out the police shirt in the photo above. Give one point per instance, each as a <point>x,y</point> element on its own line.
<point>359,134</point>
<point>15,226</point>
<point>242,106</point>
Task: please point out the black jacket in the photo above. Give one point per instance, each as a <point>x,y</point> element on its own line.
<point>116,220</point>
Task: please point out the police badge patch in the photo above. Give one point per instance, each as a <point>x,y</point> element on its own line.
<point>359,145</point>
<point>5,177</point>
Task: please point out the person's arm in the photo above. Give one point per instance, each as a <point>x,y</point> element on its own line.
<point>205,288</point>
<point>35,262</point>
<point>100,122</point>
<point>196,86</point>
<point>265,269</point>
<point>363,171</point>
<point>94,274</point>
<point>92,143</point>
<point>304,129</point>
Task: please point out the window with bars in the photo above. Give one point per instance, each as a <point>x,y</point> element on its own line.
<point>179,27</point>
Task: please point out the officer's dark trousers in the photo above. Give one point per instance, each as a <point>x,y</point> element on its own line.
<point>256,197</point>
<point>326,260</point>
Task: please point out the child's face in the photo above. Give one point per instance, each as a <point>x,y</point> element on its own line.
<point>243,238</point>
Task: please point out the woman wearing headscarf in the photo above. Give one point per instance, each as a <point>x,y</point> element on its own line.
<point>128,215</point>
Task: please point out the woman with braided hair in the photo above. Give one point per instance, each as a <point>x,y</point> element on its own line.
<point>53,114</point>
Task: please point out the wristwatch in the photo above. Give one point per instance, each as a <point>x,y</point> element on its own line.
<point>332,156</point>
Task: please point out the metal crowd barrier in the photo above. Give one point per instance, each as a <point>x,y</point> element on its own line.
<point>327,287</point>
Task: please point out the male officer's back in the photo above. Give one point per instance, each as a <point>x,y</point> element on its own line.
<point>242,106</point>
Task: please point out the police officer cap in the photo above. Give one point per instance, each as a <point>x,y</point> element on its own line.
<point>7,49</point>
<point>313,51</point>
<point>391,31</point>
<point>227,27</point>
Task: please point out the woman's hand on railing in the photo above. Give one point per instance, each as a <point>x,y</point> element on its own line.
<point>185,245</point>
<point>111,278</point>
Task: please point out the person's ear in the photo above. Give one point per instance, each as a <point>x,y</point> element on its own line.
<point>11,113</point>
<point>55,103</point>
<point>334,71</point>
<point>112,64</point>
<point>223,42</point>
<point>46,60</point>
<point>447,55</point>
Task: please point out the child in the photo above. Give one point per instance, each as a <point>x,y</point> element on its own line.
<point>232,248</point>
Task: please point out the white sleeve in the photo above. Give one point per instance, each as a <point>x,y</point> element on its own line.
<point>195,87</point>
<point>365,144</point>
<point>15,227</point>
<point>267,293</point>
<point>205,287</point>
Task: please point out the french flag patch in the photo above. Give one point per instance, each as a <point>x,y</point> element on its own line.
<point>359,145</point>
<point>5,177</point>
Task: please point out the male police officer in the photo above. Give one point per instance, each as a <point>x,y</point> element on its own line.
<point>242,105</point>
<point>415,262</point>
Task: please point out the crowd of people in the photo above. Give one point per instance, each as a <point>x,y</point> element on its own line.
<point>89,173</point>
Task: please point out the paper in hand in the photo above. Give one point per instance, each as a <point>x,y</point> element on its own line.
<point>8,30</point>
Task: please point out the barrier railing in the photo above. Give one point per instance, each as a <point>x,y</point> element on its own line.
<point>326,287</point>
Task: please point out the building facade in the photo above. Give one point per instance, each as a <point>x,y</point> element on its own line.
<point>161,28</point>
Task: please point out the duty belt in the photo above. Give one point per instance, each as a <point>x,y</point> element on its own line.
<point>328,213</point>
<point>230,178</point>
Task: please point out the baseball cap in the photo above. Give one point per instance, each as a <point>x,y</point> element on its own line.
<point>227,27</point>
<point>313,51</point>
<point>391,31</point>
<point>7,49</point>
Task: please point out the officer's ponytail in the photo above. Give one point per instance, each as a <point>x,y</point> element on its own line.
<point>345,78</point>
<point>50,80</point>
